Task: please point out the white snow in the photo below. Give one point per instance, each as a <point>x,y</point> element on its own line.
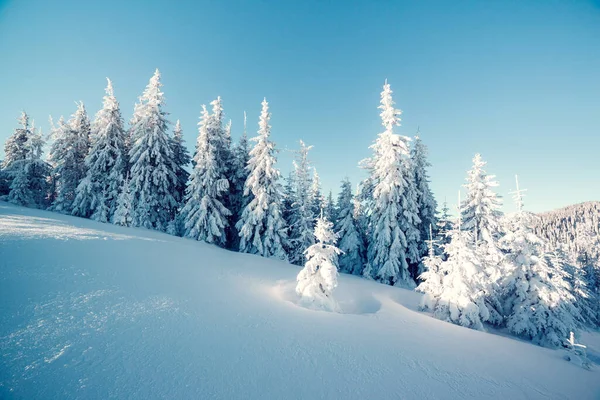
<point>137,314</point>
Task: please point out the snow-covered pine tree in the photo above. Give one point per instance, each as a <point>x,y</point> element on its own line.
<point>386,186</point>
<point>351,241</point>
<point>302,218</point>
<point>480,213</point>
<point>106,162</point>
<point>432,276</point>
<point>29,185</point>
<point>68,153</point>
<point>153,174</point>
<point>204,213</point>
<point>318,278</point>
<point>444,226</point>
<point>317,199</point>
<point>181,157</point>
<point>122,215</point>
<point>262,228</point>
<point>15,147</point>
<point>460,297</point>
<point>426,204</point>
<point>288,201</point>
<point>410,222</point>
<point>330,210</point>
<point>239,174</point>
<point>537,301</point>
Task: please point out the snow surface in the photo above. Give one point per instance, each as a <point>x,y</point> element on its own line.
<point>97,311</point>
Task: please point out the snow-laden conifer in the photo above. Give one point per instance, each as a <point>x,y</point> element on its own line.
<point>351,242</point>
<point>330,210</point>
<point>153,174</point>
<point>537,298</point>
<point>204,214</point>
<point>386,190</point>
<point>69,150</point>
<point>426,204</point>
<point>181,157</point>
<point>302,219</point>
<point>262,228</point>
<point>106,163</point>
<point>122,215</point>
<point>239,173</point>
<point>15,147</point>
<point>432,276</point>
<point>318,278</point>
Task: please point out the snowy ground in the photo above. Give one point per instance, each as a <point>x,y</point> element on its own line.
<point>96,311</point>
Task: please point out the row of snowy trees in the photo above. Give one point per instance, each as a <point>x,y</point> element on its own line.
<point>480,268</point>
<point>493,269</point>
<point>233,196</point>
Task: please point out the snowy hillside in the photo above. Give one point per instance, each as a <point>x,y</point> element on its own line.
<point>97,311</point>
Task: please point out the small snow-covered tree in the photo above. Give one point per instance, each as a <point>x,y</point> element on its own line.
<point>426,204</point>
<point>302,219</point>
<point>387,188</point>
<point>15,147</point>
<point>432,276</point>
<point>318,278</point>
<point>262,228</point>
<point>122,215</point>
<point>351,242</point>
<point>96,195</point>
<point>204,213</point>
<point>444,226</point>
<point>69,150</point>
<point>153,174</point>
<point>537,298</point>
<point>316,197</point>
<point>181,157</point>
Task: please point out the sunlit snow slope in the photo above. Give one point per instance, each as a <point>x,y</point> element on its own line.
<point>95,311</point>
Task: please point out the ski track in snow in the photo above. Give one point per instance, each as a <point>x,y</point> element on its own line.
<point>98,311</point>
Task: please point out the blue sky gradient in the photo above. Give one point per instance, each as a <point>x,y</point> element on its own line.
<point>518,82</point>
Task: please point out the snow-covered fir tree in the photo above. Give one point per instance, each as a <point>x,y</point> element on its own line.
<point>318,278</point>
<point>480,213</point>
<point>29,185</point>
<point>444,226</point>
<point>386,189</point>
<point>204,213</point>
<point>411,221</point>
<point>153,174</point>
<point>106,163</point>
<point>69,150</point>
<point>426,204</point>
<point>537,301</point>
<point>330,210</point>
<point>261,228</point>
<point>239,174</point>
<point>351,242</point>
<point>302,219</point>
<point>432,276</point>
<point>15,147</point>
<point>316,197</point>
<point>182,158</point>
<point>289,195</point>
<point>122,215</point>
<point>454,292</point>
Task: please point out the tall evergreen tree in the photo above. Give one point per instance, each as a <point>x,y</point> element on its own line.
<point>15,147</point>
<point>68,153</point>
<point>388,247</point>
<point>411,221</point>
<point>239,174</point>
<point>153,174</point>
<point>302,218</point>
<point>318,278</point>
<point>30,175</point>
<point>262,228</point>
<point>181,157</point>
<point>426,204</point>
<point>351,242</point>
<point>538,302</point>
<point>330,211</point>
<point>106,163</point>
<point>204,213</point>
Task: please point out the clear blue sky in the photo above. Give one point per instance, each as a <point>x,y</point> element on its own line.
<point>518,82</point>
